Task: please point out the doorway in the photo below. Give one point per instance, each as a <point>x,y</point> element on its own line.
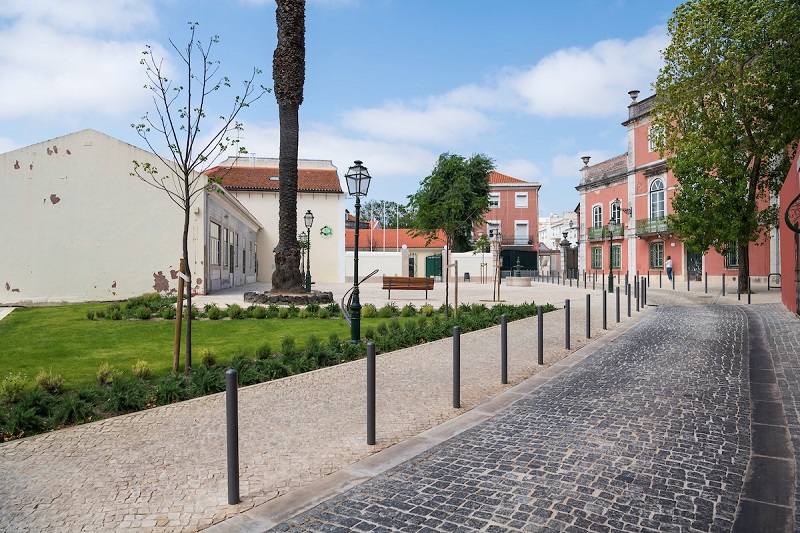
<point>694,265</point>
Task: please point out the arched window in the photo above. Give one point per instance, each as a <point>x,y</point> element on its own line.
<point>597,216</point>
<point>657,208</point>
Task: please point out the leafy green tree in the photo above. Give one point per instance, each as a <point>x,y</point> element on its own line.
<point>180,116</point>
<point>289,74</point>
<point>452,199</point>
<point>727,116</point>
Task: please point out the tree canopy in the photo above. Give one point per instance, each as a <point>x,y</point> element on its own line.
<point>727,117</point>
<point>389,213</point>
<point>453,199</point>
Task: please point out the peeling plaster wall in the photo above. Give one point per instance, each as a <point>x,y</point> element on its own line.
<point>84,229</point>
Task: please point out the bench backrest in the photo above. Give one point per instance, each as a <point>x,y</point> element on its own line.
<point>407,282</point>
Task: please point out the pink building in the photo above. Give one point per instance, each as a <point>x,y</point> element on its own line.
<point>632,193</point>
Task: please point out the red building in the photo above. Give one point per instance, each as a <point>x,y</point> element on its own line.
<point>790,238</point>
<point>624,206</point>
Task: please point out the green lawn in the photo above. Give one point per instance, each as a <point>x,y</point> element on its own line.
<point>63,340</point>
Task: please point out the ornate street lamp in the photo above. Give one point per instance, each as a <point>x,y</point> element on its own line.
<point>613,224</point>
<point>358,180</point>
<point>308,218</point>
<point>303,240</point>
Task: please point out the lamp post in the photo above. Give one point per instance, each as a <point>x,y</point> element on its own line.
<point>308,218</point>
<point>358,180</point>
<point>612,227</point>
<point>565,248</point>
<point>303,240</point>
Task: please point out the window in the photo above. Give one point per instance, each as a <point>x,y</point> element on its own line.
<point>236,248</point>
<point>493,228</point>
<point>732,256</point>
<point>225,245</point>
<point>597,216</point>
<point>657,255</point>
<point>521,199</point>
<point>616,211</point>
<point>616,256</point>
<point>657,199</point>
<point>597,257</point>
<point>654,136</point>
<point>214,251</point>
<point>494,199</point>
<point>521,232</point>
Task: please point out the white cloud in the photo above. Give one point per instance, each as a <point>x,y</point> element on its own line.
<point>7,144</point>
<point>56,64</point>
<point>521,169</point>
<point>435,121</point>
<point>592,82</point>
<point>568,166</point>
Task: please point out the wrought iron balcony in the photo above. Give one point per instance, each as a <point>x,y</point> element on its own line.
<point>601,232</point>
<point>649,226</point>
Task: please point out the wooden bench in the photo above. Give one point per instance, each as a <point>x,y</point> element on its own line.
<point>405,283</point>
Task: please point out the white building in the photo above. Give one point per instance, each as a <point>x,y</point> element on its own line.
<point>552,228</point>
<point>84,229</point>
<point>254,182</point>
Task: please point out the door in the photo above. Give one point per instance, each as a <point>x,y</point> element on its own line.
<point>411,261</point>
<point>572,263</point>
<point>694,265</point>
<point>433,266</point>
<point>230,265</point>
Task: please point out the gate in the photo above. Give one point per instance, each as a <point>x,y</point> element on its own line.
<point>433,266</point>
<point>694,265</point>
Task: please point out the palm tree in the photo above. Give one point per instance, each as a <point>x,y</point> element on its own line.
<point>288,73</point>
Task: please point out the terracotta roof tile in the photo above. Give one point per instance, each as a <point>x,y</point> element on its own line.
<point>392,241</point>
<point>496,177</point>
<point>258,178</point>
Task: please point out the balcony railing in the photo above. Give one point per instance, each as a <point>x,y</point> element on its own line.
<point>601,232</point>
<point>517,240</point>
<point>652,225</point>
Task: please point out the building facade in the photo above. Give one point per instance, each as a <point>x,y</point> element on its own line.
<point>254,182</point>
<point>624,205</point>
<point>85,229</point>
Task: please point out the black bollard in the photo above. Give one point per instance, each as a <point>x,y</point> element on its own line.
<point>748,290</point>
<point>232,422</point>
<point>370,393</point>
<point>566,319</point>
<point>541,334</point>
<point>605,325</point>
<point>739,289</point>
<point>588,316</point>
<point>688,281</point>
<point>659,279</point>
<point>504,349</point>
<point>706,279</point>
<point>723,284</point>
<point>629,301</point>
<point>456,367</point>
<point>617,304</point>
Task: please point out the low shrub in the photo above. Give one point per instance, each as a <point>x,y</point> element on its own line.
<point>313,308</point>
<point>143,313</point>
<point>141,369</point>
<point>171,388</point>
<point>369,311</point>
<point>323,314</point>
<point>107,374</point>
<point>382,328</point>
<point>73,409</point>
<point>204,380</point>
<point>369,333</point>
<point>334,309</point>
<point>49,382</point>
<point>259,312</point>
<point>427,310</point>
<point>408,310</point>
<point>304,314</point>
<point>272,311</point>
<point>235,311</point>
<point>115,314</point>
<point>283,313</point>
<point>263,351</point>
<point>293,310</point>
<point>287,346</point>
<point>100,314</point>
<point>168,313</point>
<point>422,321</point>
<point>90,314</point>
<point>208,358</point>
<point>213,312</point>
<point>333,338</point>
<point>394,325</point>
<point>13,387</point>
<point>126,394</point>
<point>389,310</point>
<point>31,413</point>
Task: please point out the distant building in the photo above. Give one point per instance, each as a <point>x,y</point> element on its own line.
<point>254,182</point>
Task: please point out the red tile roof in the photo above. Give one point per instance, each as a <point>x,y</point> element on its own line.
<point>258,178</point>
<point>392,241</point>
<point>496,177</point>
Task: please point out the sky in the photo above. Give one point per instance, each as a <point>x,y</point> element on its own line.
<point>532,84</point>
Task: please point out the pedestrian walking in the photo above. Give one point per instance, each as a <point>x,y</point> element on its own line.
<point>668,266</point>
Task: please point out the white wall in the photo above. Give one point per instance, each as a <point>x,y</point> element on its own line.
<point>390,263</point>
<point>81,228</point>
<point>327,252</point>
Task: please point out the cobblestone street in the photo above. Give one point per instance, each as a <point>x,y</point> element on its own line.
<point>649,434</point>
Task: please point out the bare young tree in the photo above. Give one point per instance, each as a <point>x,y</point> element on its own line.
<point>179,120</point>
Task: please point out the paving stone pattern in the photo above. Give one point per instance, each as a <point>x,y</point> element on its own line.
<point>652,433</point>
<point>783,337</point>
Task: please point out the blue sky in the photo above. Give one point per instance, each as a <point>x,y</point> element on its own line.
<point>532,84</point>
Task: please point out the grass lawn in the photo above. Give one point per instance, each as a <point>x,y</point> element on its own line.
<point>61,339</point>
